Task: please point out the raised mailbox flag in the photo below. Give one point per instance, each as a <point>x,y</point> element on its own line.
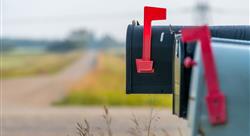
<point>145,64</point>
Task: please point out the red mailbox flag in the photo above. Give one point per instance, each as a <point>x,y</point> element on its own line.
<point>216,101</point>
<point>145,65</point>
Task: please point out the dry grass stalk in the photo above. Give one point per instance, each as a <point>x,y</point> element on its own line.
<point>152,118</point>
<point>83,129</point>
<point>136,130</point>
<point>108,120</point>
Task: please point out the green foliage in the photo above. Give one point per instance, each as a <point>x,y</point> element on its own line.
<point>106,85</point>
<point>115,98</point>
<point>26,65</point>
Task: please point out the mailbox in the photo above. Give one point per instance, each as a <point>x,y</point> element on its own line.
<point>162,52</point>
<point>232,65</point>
<point>163,43</point>
<point>183,75</point>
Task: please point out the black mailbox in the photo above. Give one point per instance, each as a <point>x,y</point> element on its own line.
<point>162,53</point>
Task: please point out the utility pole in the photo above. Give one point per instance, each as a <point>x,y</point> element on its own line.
<point>202,12</point>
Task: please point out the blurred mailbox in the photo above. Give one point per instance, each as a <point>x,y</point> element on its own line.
<point>233,68</point>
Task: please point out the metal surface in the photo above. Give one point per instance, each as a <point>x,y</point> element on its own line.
<point>232,63</point>
<point>215,99</point>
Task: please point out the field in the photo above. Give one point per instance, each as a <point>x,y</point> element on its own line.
<point>105,85</point>
<point>20,65</point>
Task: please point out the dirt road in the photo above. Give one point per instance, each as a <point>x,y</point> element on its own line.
<point>26,107</point>
<point>40,91</point>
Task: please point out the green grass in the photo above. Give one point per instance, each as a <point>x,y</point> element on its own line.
<point>115,99</point>
<point>106,86</point>
<point>20,65</point>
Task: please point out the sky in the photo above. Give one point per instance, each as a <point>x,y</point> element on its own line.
<point>55,19</point>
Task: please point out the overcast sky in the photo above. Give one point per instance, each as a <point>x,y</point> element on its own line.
<point>50,19</point>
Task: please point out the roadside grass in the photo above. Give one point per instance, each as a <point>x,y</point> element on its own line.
<point>105,85</point>
<point>19,65</point>
<point>140,126</point>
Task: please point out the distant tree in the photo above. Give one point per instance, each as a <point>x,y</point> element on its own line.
<point>6,46</point>
<point>109,42</point>
<point>62,46</point>
<point>81,38</point>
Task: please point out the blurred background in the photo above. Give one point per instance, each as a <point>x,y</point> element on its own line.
<point>63,60</point>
